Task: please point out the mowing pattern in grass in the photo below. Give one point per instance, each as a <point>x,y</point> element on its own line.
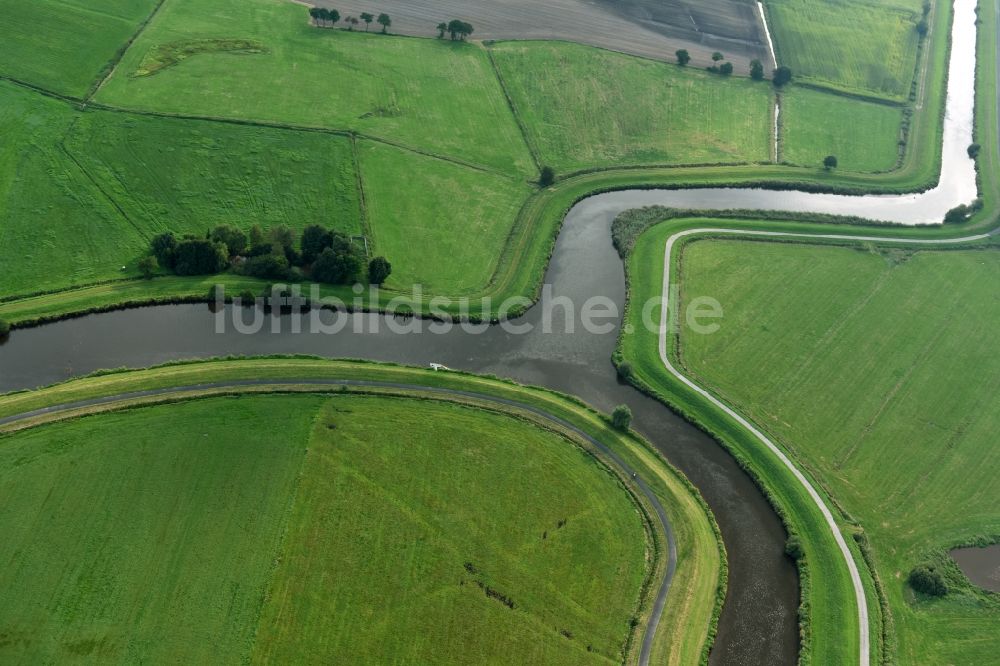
<point>875,369</point>
<point>848,44</point>
<point>458,217</point>
<point>187,176</point>
<point>64,45</point>
<point>864,136</point>
<point>585,108</point>
<point>146,536</point>
<point>466,536</point>
<point>56,228</point>
<point>222,530</point>
<point>438,96</point>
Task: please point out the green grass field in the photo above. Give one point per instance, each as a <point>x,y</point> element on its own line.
<point>862,135</point>
<point>585,108</point>
<point>79,40</point>
<point>188,176</point>
<point>872,366</point>
<point>409,522</point>
<point>111,181</point>
<point>691,602</point>
<point>434,95</point>
<point>867,48</point>
<point>56,228</point>
<point>387,519</point>
<point>424,211</point>
<point>147,535</point>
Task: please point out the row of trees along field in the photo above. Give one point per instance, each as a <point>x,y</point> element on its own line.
<point>325,18</point>
<point>781,76</point>
<point>321,254</point>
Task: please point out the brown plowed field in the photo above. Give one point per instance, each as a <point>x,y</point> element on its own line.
<point>651,28</point>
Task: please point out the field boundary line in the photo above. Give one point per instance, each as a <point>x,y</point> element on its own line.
<point>532,149</point>
<point>93,181</point>
<point>366,227</point>
<point>111,66</point>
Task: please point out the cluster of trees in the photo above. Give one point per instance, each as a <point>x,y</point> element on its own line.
<point>720,67</point>
<point>782,75</point>
<point>322,17</point>
<point>324,254</point>
<point>456,28</point>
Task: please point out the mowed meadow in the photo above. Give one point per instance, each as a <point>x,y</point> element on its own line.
<point>66,46</point>
<point>588,108</point>
<point>317,531</point>
<point>874,367</point>
<point>867,48</point>
<point>220,112</point>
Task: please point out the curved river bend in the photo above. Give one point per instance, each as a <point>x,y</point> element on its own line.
<point>759,622</point>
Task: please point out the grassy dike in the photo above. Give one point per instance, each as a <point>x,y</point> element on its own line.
<point>699,583</point>
<point>525,252</point>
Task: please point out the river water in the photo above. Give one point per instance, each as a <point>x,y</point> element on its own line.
<point>759,623</point>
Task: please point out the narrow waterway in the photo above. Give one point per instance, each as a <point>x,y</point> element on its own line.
<point>759,623</point>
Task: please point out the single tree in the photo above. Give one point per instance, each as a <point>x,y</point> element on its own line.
<point>385,22</point>
<point>256,235</point>
<point>315,13</point>
<point>282,237</point>
<point>726,68</point>
<point>336,266</point>
<point>957,215</point>
<point>973,150</point>
<point>683,57</point>
<point>928,580</point>
<point>547,177</point>
<point>333,15</point>
<point>455,28</point>
<point>467,29</point>
<point>267,266</point>
<point>324,15</point>
<point>442,28</point>
<point>782,76</point>
<point>315,239</point>
<point>234,239</point>
<point>4,328</point>
<point>625,370</point>
<point>621,418</point>
<point>379,270</point>
<point>367,18</point>
<point>351,22</point>
<point>794,549</point>
<point>717,56</point>
<point>830,162</point>
<point>756,70</point>
<point>164,247</point>
<point>922,28</point>
<point>200,256</point>
<point>148,265</point>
